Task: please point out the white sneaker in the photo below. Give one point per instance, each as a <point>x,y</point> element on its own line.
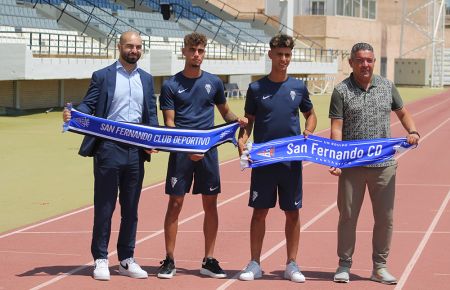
<point>382,275</point>
<point>251,272</point>
<point>293,273</point>
<point>101,270</point>
<point>130,268</point>
<point>342,275</point>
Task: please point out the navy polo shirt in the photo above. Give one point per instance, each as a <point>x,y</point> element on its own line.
<point>276,107</point>
<point>192,99</point>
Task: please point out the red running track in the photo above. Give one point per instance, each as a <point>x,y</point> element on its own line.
<point>55,254</point>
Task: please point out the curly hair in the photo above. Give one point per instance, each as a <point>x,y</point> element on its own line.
<point>194,39</point>
<point>282,40</point>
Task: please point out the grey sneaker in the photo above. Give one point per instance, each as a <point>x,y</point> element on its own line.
<point>293,273</point>
<point>342,275</point>
<point>382,275</point>
<point>251,272</point>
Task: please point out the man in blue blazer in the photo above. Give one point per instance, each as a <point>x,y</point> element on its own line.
<point>124,93</point>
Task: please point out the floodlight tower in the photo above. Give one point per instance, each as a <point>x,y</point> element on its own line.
<point>433,30</point>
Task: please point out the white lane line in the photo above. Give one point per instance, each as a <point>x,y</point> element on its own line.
<point>45,222</point>
<point>423,111</point>
<point>425,137</point>
<point>280,244</point>
<point>283,242</point>
<point>162,183</point>
<point>223,231</point>
<point>89,264</point>
<point>370,231</point>
<point>430,230</point>
<point>61,217</point>
<point>422,244</point>
<point>423,184</point>
<point>38,253</point>
<point>91,206</point>
<point>179,261</point>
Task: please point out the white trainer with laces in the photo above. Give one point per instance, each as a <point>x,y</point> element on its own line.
<point>101,270</point>
<point>130,268</point>
<point>251,272</point>
<point>293,273</point>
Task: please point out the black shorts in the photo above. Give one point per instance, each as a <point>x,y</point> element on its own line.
<point>182,171</point>
<point>284,178</point>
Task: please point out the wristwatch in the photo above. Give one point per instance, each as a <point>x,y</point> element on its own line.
<point>414,132</point>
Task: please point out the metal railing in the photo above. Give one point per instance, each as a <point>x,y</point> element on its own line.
<point>203,20</point>
<point>265,19</point>
<point>61,44</point>
<point>114,28</point>
<point>69,45</point>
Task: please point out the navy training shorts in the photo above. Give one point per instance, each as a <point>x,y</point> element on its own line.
<point>284,178</point>
<point>182,171</point>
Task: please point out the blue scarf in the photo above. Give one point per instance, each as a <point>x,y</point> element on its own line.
<point>161,138</point>
<point>324,151</point>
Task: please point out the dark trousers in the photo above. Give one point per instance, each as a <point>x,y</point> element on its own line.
<point>117,168</point>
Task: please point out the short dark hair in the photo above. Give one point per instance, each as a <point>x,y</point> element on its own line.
<point>360,46</point>
<point>282,40</point>
<point>194,39</point>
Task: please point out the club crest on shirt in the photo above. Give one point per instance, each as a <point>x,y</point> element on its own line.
<point>173,181</point>
<point>208,88</point>
<point>292,95</point>
<point>84,122</point>
<point>269,152</point>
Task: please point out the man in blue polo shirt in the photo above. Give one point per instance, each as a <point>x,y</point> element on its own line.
<point>187,100</point>
<point>272,108</point>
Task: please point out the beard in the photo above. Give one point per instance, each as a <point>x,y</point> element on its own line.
<point>131,59</point>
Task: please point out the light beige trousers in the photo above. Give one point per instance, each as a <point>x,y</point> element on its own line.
<point>380,182</point>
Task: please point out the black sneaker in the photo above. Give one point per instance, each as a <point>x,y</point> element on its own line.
<point>211,268</point>
<point>167,268</point>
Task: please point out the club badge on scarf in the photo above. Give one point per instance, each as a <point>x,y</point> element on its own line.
<point>324,151</point>
<point>161,138</point>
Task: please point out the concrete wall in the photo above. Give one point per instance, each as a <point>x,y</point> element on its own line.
<point>447,38</point>
<point>7,94</point>
<point>246,6</point>
<point>74,90</point>
<point>333,32</point>
<point>34,94</point>
<point>384,33</point>
<point>21,64</point>
<point>29,83</point>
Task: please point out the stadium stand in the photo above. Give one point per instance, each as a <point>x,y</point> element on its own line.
<point>18,16</point>
<point>58,43</point>
<point>101,18</point>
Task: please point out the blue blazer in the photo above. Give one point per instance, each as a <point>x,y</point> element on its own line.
<point>98,100</point>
